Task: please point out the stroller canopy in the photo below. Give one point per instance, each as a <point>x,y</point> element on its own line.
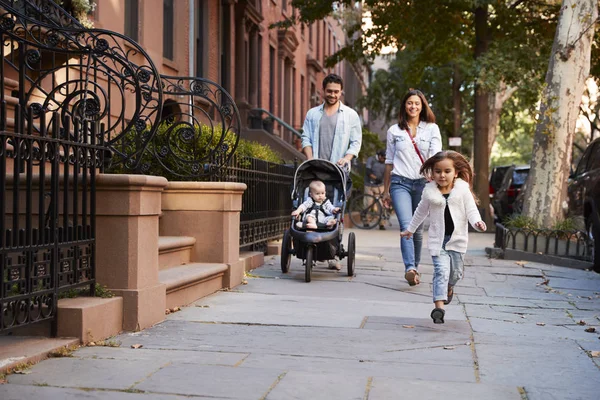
<point>331,174</point>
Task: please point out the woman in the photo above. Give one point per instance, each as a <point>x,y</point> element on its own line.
<point>413,140</point>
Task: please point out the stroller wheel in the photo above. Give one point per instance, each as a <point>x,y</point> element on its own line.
<point>351,253</point>
<point>310,253</point>
<point>286,247</point>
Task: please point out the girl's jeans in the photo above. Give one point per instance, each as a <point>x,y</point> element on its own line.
<point>406,195</point>
<point>447,271</point>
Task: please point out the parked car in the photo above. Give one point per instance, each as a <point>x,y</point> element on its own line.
<point>584,196</point>
<point>496,177</point>
<point>504,197</point>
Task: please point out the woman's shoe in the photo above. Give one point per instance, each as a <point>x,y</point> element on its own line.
<point>450,294</point>
<point>438,315</point>
<point>412,277</point>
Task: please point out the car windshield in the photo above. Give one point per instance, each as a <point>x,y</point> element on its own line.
<point>519,177</point>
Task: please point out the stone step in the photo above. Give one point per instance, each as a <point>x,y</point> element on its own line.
<point>190,282</point>
<point>174,251</point>
<point>24,350</point>
<point>90,318</point>
<point>252,259</point>
<point>10,83</point>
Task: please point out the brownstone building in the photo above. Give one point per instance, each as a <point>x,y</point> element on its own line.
<point>231,42</point>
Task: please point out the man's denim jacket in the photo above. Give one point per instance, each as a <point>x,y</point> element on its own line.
<point>348,132</point>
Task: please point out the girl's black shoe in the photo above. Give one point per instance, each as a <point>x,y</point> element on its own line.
<point>438,315</point>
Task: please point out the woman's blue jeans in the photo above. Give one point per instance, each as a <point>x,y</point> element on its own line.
<point>406,195</point>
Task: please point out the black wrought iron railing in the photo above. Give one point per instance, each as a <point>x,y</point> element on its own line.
<point>266,204</point>
<point>560,243</point>
<point>47,213</point>
<point>259,118</point>
<point>188,126</point>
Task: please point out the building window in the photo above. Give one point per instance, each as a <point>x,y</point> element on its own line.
<point>272,77</point>
<point>284,5</point>
<point>132,19</point>
<point>201,38</point>
<point>225,34</point>
<point>168,29</point>
<point>302,97</point>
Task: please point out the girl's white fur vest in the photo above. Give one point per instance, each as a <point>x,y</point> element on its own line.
<point>462,209</point>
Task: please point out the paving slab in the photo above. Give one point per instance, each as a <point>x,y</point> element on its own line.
<point>524,365</point>
<point>264,309</point>
<point>328,289</point>
<point>519,314</point>
<point>87,373</point>
<point>211,381</point>
<point>161,356</point>
<point>21,392</point>
<point>294,385</point>
<point>564,393</point>
<point>390,389</point>
<point>410,364</point>
<point>526,329</point>
<point>336,343</point>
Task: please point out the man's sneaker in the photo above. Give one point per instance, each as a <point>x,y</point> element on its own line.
<point>381,228</point>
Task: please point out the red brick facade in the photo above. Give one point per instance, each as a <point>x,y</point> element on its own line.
<point>232,44</point>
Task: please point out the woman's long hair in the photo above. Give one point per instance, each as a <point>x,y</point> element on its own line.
<point>425,115</point>
<point>461,165</point>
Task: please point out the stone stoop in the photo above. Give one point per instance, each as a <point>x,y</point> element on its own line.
<point>90,318</point>
<point>190,282</point>
<point>252,259</point>
<point>174,251</point>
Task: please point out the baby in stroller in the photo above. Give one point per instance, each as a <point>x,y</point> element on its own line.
<point>317,209</point>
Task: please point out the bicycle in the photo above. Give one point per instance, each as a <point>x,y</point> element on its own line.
<point>366,211</point>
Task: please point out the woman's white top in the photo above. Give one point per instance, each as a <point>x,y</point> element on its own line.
<point>462,209</point>
<point>401,152</point>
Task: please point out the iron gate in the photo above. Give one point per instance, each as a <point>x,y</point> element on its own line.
<point>47,225</point>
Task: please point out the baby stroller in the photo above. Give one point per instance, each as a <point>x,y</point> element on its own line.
<point>324,243</point>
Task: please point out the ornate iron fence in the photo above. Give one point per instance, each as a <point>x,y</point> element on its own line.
<point>186,126</point>
<point>47,221</point>
<point>570,244</point>
<point>266,204</point>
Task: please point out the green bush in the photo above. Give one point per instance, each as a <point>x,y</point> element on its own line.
<point>517,221</point>
<point>174,149</point>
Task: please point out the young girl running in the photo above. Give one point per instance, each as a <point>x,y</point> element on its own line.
<point>450,203</point>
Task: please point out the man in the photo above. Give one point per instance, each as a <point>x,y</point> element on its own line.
<point>332,131</point>
<point>374,172</point>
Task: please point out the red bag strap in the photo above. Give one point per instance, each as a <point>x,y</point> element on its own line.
<point>414,144</point>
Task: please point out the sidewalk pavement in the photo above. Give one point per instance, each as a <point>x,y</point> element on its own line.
<point>514,331</point>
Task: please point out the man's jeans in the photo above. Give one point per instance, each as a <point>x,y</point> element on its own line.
<point>447,271</point>
<point>406,195</point>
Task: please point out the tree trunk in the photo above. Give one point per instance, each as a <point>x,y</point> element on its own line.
<point>481,111</point>
<point>497,101</point>
<point>567,72</point>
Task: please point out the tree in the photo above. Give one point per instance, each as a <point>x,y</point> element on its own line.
<point>565,82</point>
<point>499,45</point>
